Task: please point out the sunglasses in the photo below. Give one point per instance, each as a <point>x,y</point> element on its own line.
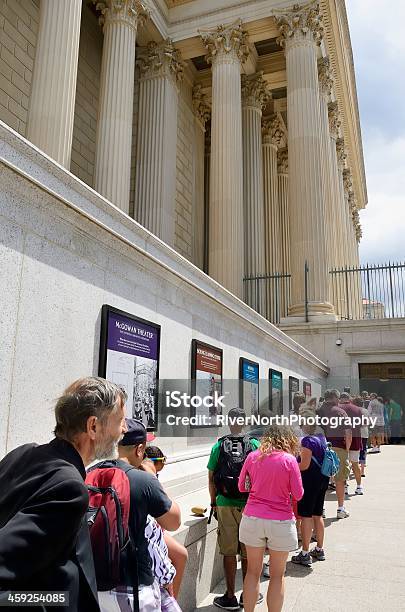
<point>162,459</point>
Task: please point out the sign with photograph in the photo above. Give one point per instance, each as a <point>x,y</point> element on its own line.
<point>276,391</point>
<point>307,390</point>
<point>249,386</point>
<point>206,375</point>
<point>129,357</point>
<point>293,387</point>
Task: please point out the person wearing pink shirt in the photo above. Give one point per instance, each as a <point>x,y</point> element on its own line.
<point>272,478</point>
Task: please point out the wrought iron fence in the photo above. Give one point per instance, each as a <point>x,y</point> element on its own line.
<point>369,292</point>
<point>268,294</point>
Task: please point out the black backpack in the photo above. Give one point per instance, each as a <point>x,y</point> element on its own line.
<point>232,455</point>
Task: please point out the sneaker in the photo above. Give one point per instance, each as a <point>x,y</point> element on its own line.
<point>346,489</point>
<point>266,570</point>
<point>226,603</point>
<point>319,555</point>
<point>359,491</point>
<point>341,514</point>
<point>302,559</point>
<point>258,602</point>
<point>323,513</point>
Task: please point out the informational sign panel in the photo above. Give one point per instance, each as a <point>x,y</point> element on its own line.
<point>293,387</point>
<point>276,391</point>
<point>206,374</point>
<point>249,386</point>
<point>129,357</point>
<point>307,390</point>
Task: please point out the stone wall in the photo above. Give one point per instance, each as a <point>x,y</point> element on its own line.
<point>184,173</point>
<point>370,341</point>
<point>65,252</point>
<point>87,96</point>
<point>18,35</point>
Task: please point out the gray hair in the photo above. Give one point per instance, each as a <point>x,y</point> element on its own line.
<point>84,398</point>
<point>331,394</point>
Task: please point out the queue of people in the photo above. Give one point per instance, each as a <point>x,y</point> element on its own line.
<point>282,479</point>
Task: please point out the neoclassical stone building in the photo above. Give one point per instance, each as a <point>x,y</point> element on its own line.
<point>229,129</point>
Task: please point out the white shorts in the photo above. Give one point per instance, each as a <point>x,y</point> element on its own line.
<point>267,533</point>
<point>122,601</point>
<point>354,456</point>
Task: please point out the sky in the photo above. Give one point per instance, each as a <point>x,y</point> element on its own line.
<point>378,41</point>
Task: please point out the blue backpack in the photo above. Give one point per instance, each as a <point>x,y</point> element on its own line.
<point>330,464</point>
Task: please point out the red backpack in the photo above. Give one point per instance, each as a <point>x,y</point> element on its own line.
<point>107,518</point>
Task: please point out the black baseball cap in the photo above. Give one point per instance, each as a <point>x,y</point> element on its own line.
<point>136,433</point>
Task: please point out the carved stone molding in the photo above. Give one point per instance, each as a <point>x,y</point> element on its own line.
<point>161,59</point>
<point>226,42</point>
<point>129,12</point>
<point>334,119</point>
<point>325,76</point>
<point>274,131</point>
<point>255,91</point>
<point>302,22</point>
<point>341,151</point>
<point>201,107</point>
<point>282,161</point>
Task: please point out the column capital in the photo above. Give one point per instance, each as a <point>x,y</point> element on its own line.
<point>325,76</point>
<point>301,23</point>
<point>282,161</point>
<point>161,59</point>
<point>132,13</point>
<point>226,42</point>
<point>348,180</point>
<point>341,151</point>
<point>255,91</point>
<point>274,131</point>
<point>334,119</point>
<point>201,107</point>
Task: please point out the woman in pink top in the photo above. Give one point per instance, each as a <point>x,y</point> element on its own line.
<point>272,478</point>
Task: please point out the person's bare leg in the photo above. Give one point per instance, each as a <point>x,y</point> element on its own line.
<point>230,566</point>
<point>357,473</point>
<point>275,593</point>
<point>307,526</point>
<point>244,566</point>
<point>178,555</point>
<point>251,582</point>
<point>320,530</point>
<point>340,492</point>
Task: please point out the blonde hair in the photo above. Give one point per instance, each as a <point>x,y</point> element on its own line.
<point>279,438</point>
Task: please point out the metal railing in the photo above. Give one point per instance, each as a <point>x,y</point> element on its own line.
<point>268,294</point>
<point>369,292</point>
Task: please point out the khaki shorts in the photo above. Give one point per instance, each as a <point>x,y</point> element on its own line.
<point>229,518</point>
<point>344,469</point>
<point>266,533</point>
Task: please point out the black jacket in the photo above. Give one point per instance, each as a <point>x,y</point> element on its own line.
<point>44,538</point>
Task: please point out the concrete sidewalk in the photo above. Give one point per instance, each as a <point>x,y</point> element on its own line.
<point>365,566</point>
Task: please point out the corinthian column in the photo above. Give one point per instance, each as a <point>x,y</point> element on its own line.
<point>325,90</point>
<point>120,21</point>
<point>301,32</point>
<point>282,170</point>
<point>202,114</point>
<point>161,71</point>
<point>255,95</point>
<point>227,49</point>
<point>338,202</point>
<point>51,114</point>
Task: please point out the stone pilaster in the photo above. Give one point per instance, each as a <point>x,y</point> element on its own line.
<point>120,21</point>
<point>161,71</point>
<point>282,171</point>
<point>51,113</point>
<point>202,113</point>
<point>255,95</point>
<point>227,50</point>
<point>301,32</point>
